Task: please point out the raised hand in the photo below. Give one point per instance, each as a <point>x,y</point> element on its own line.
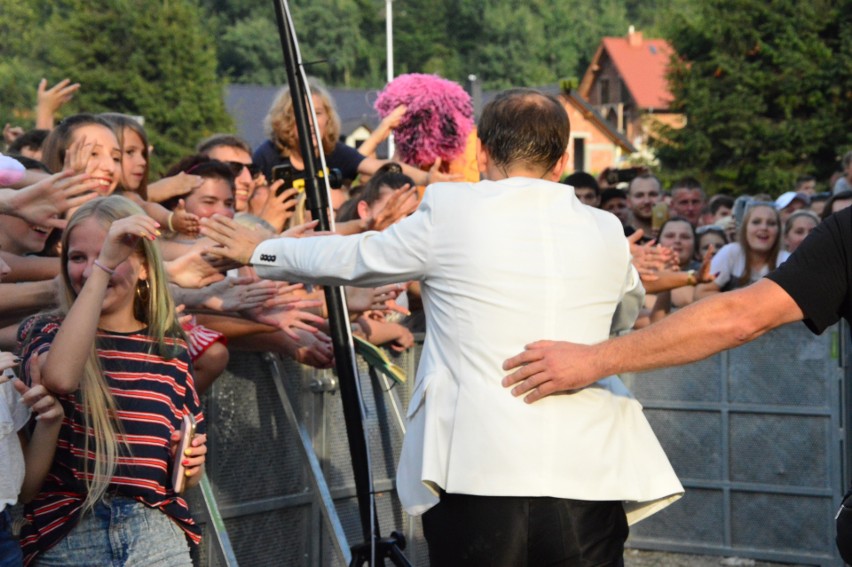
<point>50,100</point>
<point>122,237</point>
<point>401,203</point>
<point>435,174</point>
<point>278,209</point>
<point>42,203</point>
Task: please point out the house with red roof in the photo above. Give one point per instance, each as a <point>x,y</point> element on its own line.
<point>626,83</point>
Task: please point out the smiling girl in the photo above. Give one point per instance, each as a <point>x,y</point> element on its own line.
<point>116,359</point>
<point>756,252</point>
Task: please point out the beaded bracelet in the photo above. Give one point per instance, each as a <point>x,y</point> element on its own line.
<point>110,271</point>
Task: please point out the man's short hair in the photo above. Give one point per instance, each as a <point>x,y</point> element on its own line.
<point>524,126</point>
<point>687,183</point>
<point>802,179</point>
<point>643,177</point>
<point>31,139</point>
<point>582,180</point>
<point>719,201</point>
<point>227,140</point>
<point>610,194</point>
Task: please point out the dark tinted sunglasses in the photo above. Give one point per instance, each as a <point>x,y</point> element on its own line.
<point>237,168</point>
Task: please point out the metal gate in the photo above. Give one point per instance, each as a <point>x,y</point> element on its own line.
<point>756,435</point>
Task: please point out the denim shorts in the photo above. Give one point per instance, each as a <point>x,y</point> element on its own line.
<point>121,532</point>
<point>10,551</point>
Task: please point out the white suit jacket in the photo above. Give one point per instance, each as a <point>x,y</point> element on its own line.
<point>503,264</point>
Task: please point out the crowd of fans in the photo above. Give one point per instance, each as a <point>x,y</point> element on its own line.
<point>119,317</point>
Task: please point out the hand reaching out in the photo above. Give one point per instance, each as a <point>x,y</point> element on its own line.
<point>435,174</point>
<point>42,203</point>
<point>235,241</point>
<point>184,222</point>
<point>401,203</point>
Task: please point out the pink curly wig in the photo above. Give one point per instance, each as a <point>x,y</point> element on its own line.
<point>437,122</point>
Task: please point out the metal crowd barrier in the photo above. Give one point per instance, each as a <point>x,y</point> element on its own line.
<point>757,436</point>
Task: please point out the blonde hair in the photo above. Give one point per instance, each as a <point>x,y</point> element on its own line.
<point>280,121</point>
<point>155,307</point>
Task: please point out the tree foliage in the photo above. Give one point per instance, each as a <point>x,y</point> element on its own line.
<point>502,42</point>
<point>766,87</point>
<point>150,58</point>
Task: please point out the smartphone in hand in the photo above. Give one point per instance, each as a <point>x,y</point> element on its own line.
<point>187,432</point>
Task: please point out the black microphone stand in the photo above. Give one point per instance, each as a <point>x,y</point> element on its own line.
<point>374,549</point>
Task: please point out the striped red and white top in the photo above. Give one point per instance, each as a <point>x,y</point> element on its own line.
<point>153,392</point>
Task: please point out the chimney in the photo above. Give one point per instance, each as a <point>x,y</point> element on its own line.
<point>634,38</point>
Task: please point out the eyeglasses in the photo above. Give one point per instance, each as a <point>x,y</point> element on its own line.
<point>237,168</point>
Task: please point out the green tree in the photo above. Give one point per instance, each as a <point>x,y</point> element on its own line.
<point>766,88</point>
<point>148,58</point>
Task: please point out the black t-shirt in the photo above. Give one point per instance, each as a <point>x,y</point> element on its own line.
<point>343,157</point>
<point>818,274</point>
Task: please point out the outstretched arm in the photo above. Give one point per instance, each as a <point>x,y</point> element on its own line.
<point>693,333</point>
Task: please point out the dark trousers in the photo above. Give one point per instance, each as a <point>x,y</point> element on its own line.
<point>497,531</point>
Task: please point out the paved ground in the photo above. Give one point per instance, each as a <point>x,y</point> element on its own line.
<point>636,558</point>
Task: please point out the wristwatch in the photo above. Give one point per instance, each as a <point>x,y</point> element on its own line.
<point>690,278</point>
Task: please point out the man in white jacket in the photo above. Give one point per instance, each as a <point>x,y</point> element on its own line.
<point>503,261</point>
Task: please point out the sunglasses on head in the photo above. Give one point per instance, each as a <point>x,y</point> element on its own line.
<point>237,168</point>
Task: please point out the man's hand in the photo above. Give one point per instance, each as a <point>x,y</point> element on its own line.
<point>42,203</point>
<point>235,241</point>
<point>550,367</point>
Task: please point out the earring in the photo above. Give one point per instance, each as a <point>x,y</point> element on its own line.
<point>143,290</point>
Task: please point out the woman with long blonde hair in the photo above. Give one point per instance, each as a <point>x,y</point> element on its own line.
<point>116,358</point>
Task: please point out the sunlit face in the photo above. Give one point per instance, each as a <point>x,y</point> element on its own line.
<point>688,203</point>
<point>710,239</point>
<point>243,180</point>
<point>642,195</point>
<point>212,197</point>
<point>134,164</point>
<point>678,236</point>
<point>385,193</point>
<point>800,229</point>
<point>105,156</point>
<point>84,246</point>
<point>762,229</point>
<point>19,237</point>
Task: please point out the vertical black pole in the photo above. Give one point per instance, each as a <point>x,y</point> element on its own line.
<point>344,353</point>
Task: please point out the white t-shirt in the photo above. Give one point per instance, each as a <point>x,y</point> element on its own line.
<point>13,416</point>
<point>729,263</point>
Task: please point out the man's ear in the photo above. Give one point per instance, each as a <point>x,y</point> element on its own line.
<point>559,168</point>
<point>482,157</point>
